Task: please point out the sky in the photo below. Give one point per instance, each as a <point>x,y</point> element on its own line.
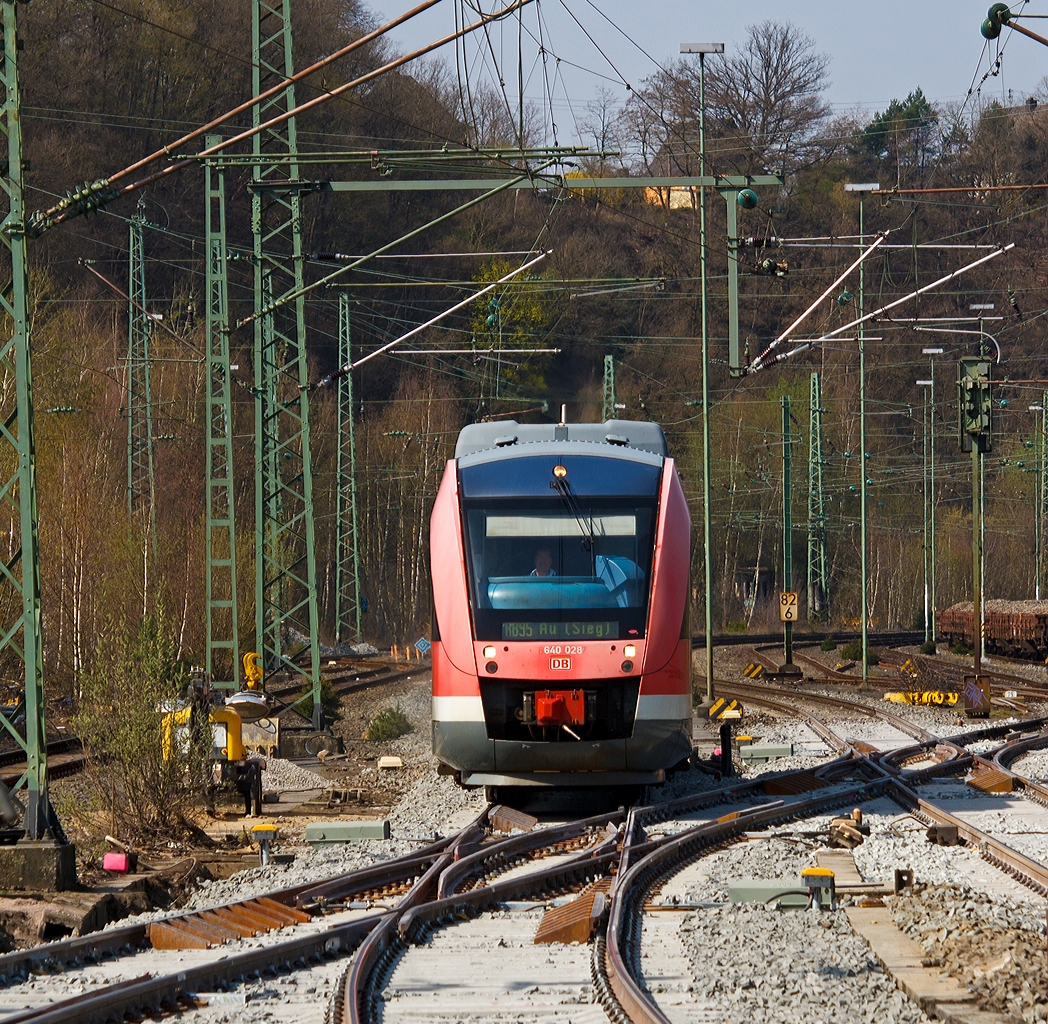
<point>877,51</point>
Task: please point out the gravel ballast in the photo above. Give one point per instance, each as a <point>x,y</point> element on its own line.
<point>993,946</point>
<point>771,967</point>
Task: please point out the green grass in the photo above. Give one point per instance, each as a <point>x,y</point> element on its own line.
<point>388,724</point>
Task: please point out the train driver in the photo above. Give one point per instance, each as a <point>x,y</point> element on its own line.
<point>543,563</point>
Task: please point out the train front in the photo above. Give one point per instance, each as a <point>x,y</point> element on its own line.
<point>560,560</point>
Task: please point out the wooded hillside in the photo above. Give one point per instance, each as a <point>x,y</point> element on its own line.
<point>105,84</point>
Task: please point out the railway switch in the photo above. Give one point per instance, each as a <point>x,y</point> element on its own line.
<point>820,884</point>
<point>815,887</point>
<point>264,835</point>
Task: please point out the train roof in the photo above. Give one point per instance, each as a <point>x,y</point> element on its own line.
<point>507,438</point>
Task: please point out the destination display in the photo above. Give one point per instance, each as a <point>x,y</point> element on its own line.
<point>560,630</point>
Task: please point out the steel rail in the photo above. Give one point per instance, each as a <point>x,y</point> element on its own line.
<point>149,996</point>
<point>356,993</point>
<point>113,943</point>
<point>637,879</point>
<point>490,856</point>
<point>1022,868</point>
<point>887,639</point>
<point>908,728</point>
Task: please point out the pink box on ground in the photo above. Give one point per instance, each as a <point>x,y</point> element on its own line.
<point>119,862</point>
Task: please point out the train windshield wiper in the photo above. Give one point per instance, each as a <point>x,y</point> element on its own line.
<point>563,488</point>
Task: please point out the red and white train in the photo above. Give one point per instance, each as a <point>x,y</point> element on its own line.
<point>560,559</point>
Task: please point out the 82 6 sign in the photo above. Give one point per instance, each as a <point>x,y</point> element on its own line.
<point>788,606</point>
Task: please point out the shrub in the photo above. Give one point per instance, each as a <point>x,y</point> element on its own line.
<point>928,647</point>
<point>829,644</point>
<point>137,792</point>
<point>329,701</point>
<point>738,626</point>
<point>852,651</point>
<point>960,648</point>
<point>388,724</point>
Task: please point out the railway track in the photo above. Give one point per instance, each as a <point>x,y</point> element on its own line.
<point>351,679</point>
<point>396,920</point>
<point>64,757</point>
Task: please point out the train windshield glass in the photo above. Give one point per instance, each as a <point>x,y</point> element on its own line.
<point>560,566</point>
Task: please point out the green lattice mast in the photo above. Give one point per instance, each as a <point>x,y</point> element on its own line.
<point>608,404</point>
<point>818,563</point>
<point>223,644</point>
<point>140,478</point>
<point>347,569</point>
<point>20,625</point>
<point>285,562</point>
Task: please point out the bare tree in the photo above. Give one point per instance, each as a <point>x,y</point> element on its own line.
<point>767,97</point>
<point>764,107</point>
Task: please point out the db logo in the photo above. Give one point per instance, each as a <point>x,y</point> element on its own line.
<point>560,664</point>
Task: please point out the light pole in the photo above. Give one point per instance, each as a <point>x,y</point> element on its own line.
<point>702,49</point>
<point>930,584</point>
<point>864,612</point>
<point>927,542</point>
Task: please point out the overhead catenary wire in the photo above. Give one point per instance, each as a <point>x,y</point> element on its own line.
<point>349,367</point>
<point>101,191</point>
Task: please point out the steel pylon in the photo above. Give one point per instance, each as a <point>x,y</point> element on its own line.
<point>347,551</point>
<point>140,477</point>
<point>223,644</point>
<point>285,560</point>
<point>608,394</point>
<point>818,563</point>
<point>20,625</point>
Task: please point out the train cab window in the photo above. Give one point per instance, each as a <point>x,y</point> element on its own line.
<point>545,564</point>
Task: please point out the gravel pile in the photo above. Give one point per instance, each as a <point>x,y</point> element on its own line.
<point>1033,766</point>
<point>779,857</point>
<point>993,946</point>
<point>885,850</point>
<point>784,764</point>
<point>683,784</point>
<point>982,746</point>
<point>771,967</point>
<point>282,775</point>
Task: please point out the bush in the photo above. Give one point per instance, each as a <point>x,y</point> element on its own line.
<point>329,701</point>
<point>137,792</point>
<point>960,648</point>
<point>829,644</point>
<point>738,626</point>
<point>388,724</point>
<point>852,651</point>
<point>928,647</point>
